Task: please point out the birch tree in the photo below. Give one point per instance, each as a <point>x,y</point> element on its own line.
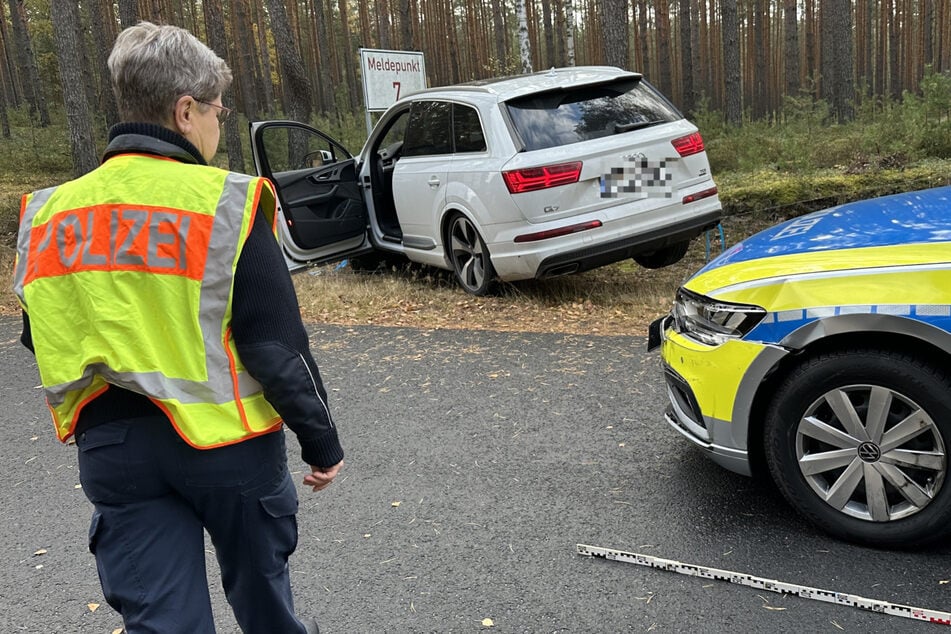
<point>569,32</point>
<point>524,46</point>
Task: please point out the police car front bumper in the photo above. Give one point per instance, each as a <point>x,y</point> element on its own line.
<point>683,411</point>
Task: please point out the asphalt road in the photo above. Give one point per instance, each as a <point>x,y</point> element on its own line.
<point>476,461</point>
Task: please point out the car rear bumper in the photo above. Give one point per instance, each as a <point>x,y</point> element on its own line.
<point>591,257</point>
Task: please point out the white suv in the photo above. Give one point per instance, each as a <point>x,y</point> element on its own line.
<point>507,179</point>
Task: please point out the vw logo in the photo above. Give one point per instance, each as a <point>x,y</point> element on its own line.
<point>869,452</point>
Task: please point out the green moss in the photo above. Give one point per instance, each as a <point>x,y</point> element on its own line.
<point>791,194</point>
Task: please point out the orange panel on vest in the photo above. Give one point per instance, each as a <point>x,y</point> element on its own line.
<point>120,238</point>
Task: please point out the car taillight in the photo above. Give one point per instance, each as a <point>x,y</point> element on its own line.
<point>533,178</point>
<point>687,145</point>
<point>706,193</point>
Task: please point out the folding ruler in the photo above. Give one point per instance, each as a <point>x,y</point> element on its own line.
<point>693,570</point>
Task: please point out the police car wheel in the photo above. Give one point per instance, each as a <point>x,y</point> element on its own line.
<point>859,442</point>
<point>471,263</point>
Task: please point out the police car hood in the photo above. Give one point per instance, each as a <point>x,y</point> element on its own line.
<point>897,230</point>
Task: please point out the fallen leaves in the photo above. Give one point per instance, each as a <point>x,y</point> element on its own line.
<point>92,606</point>
<point>488,623</point>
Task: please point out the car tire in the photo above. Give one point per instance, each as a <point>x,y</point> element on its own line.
<point>664,256</point>
<point>845,427</point>
<point>470,258</point>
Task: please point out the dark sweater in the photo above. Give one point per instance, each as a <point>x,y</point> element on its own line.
<point>266,324</point>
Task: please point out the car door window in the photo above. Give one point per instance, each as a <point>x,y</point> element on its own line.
<point>316,183</point>
<point>467,129</point>
<point>290,149</point>
<point>429,130</point>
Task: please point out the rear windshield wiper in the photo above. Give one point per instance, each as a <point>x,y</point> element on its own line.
<point>627,127</point>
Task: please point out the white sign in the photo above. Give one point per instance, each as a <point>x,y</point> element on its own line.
<point>389,75</point>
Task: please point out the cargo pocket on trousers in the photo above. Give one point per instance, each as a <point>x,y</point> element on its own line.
<point>104,463</point>
<point>280,515</point>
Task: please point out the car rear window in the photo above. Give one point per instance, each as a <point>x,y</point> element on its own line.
<point>561,117</point>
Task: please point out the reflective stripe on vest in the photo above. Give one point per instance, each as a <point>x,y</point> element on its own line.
<point>150,283</point>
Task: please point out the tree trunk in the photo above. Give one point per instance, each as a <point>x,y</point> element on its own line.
<point>215,29</point>
<point>731,64</point>
<point>663,47</point>
<point>4,119</point>
<point>643,39</point>
<point>103,30</point>
<point>247,77</point>
<point>29,73</point>
<point>524,46</point>
<point>498,27</point>
<point>11,81</point>
<point>293,77</point>
<point>128,13</point>
<point>569,32</point>
<point>451,41</point>
<point>549,34</point>
<point>689,100</point>
<point>383,24</point>
<point>842,48</point>
<point>791,47</point>
<point>615,39</point>
<point>827,62</point>
<point>406,27</point>
<point>347,54</point>
<point>66,25</point>
<point>266,85</point>
<point>698,59</point>
<point>760,56</point>
<point>894,76</point>
<point>326,92</point>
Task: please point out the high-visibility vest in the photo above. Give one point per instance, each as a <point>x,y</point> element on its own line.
<point>127,274</point>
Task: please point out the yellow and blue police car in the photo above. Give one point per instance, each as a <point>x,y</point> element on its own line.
<point>820,349</point>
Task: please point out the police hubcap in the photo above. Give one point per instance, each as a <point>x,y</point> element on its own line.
<point>871,452</point>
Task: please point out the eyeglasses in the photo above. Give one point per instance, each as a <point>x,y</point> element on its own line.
<point>222,114</point>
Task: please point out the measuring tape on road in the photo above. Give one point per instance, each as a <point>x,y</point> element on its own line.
<point>839,598</point>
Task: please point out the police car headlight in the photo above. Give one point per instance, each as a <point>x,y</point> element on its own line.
<point>713,322</point>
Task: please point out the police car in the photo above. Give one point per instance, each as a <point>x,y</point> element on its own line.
<point>821,350</point>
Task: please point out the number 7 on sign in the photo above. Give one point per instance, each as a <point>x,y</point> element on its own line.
<point>396,85</point>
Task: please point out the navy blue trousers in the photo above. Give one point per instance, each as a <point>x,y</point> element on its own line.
<point>154,497</point>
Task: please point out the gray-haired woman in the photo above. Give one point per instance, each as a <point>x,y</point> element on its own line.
<point>169,343</point>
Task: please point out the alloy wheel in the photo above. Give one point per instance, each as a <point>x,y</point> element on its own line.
<point>871,453</point>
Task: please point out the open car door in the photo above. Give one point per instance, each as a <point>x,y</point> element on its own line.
<point>321,212</point>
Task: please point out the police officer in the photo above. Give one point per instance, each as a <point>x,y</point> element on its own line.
<point>168,338</point>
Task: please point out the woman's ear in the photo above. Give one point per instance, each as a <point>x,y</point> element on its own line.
<point>183,115</point>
